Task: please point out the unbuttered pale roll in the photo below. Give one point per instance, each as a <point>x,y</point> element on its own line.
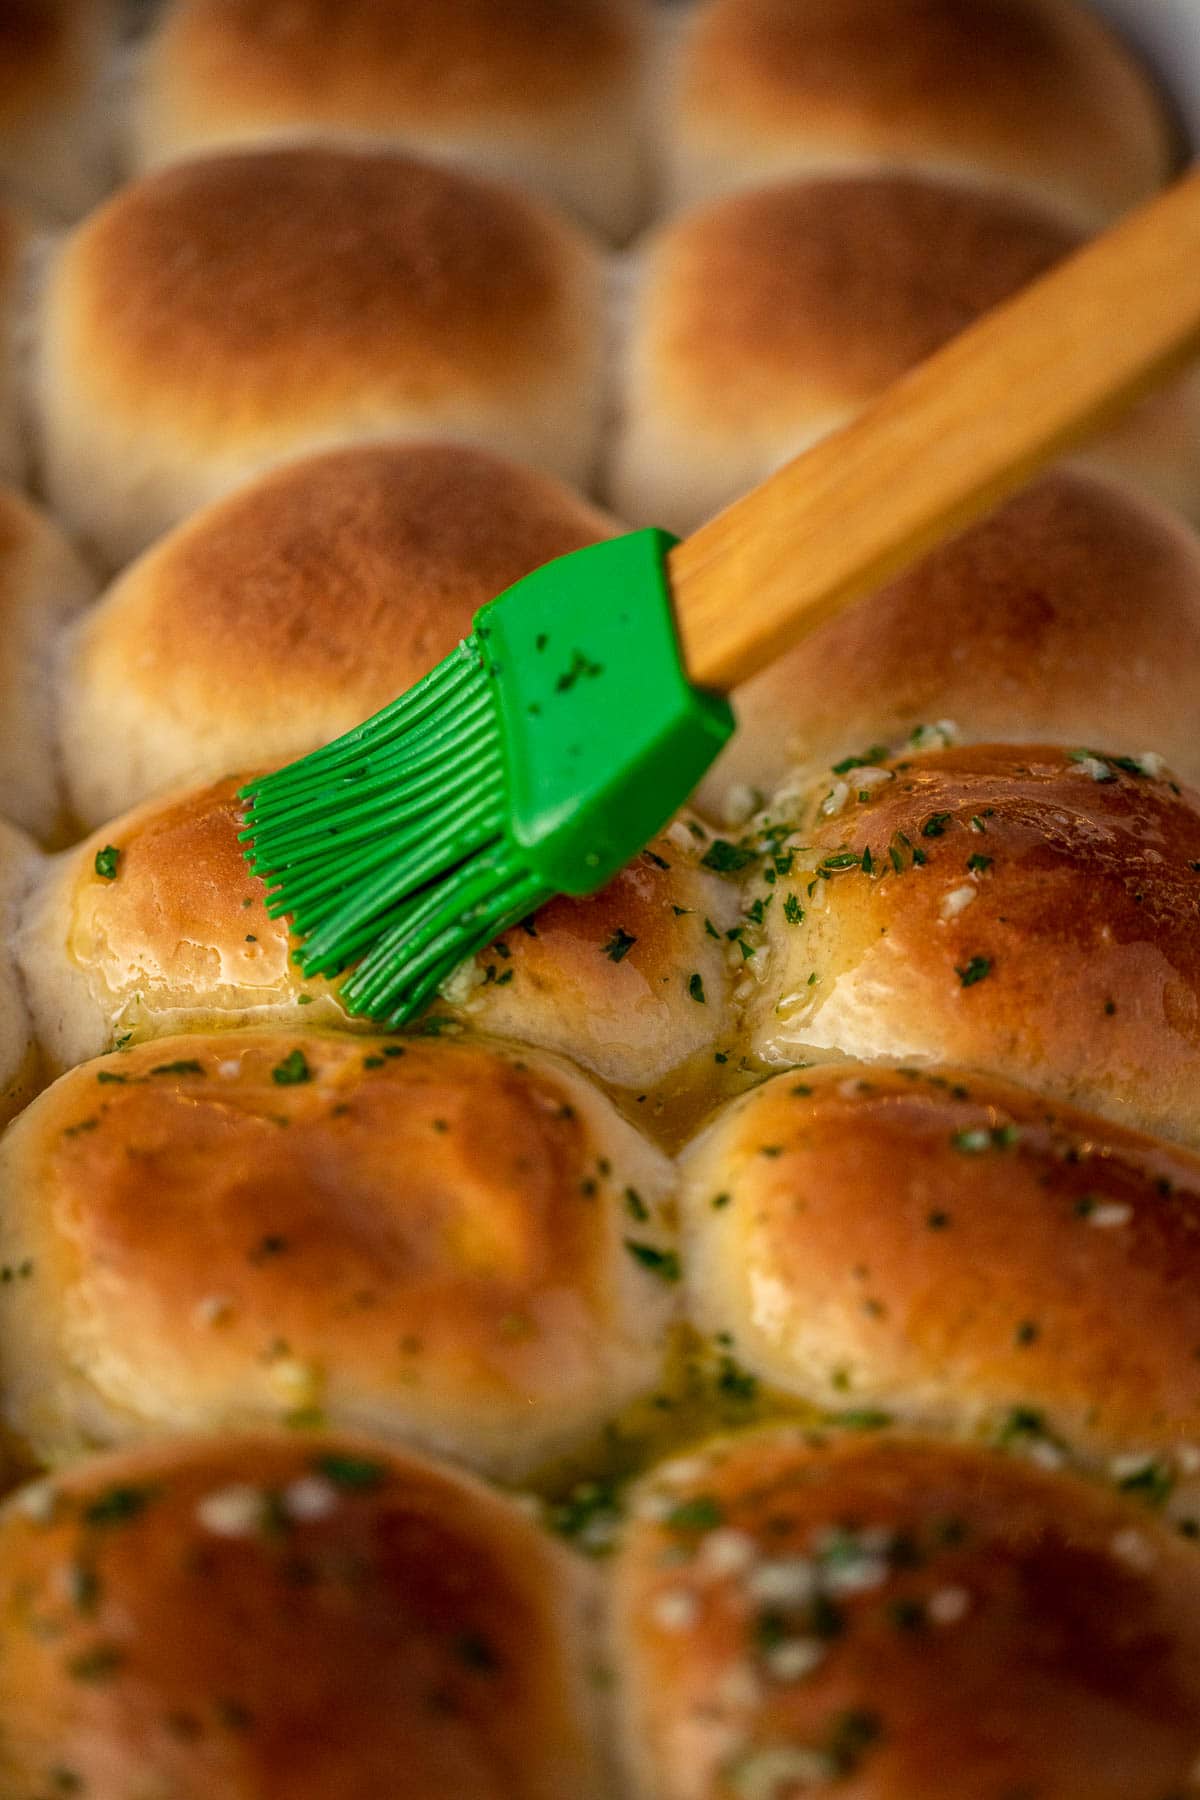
<point>19,1059</point>
<point>764,321</point>
<point>459,1245</point>
<point>43,584</point>
<point>541,93</point>
<point>1036,95</point>
<point>228,314</point>
<point>290,1618</point>
<point>950,1251</point>
<point>290,611</point>
<point>1031,912</point>
<point>55,125</point>
<point>1072,614</point>
<point>896,1618</point>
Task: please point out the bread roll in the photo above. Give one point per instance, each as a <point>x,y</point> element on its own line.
<point>632,982</point>
<point>764,321</point>
<point>14,235</point>
<point>19,1062</point>
<point>232,313</point>
<point>950,1251</point>
<point>1030,912</point>
<point>155,924</point>
<point>1073,613</point>
<point>293,1618</point>
<point>539,93</point>
<point>42,585</point>
<point>281,616</point>
<point>431,1241</point>
<point>1034,95</point>
<point>55,149</point>
<point>900,1619</point>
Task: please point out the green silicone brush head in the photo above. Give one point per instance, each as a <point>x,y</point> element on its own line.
<point>536,759</point>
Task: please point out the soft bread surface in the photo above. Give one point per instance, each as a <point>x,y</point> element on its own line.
<point>290,611</point>
<point>14,234</point>
<point>288,1617</point>
<point>19,1061</point>
<point>43,585</point>
<point>55,150</point>
<point>899,1619</point>
<point>1036,95</point>
<point>633,982</point>
<point>538,92</point>
<point>225,315</point>
<point>1072,614</point>
<point>431,1240</point>
<point>1030,912</point>
<point>766,319</point>
<point>952,1251</point>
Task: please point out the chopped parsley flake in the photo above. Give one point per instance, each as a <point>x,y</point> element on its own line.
<point>700,1514</point>
<point>186,1066</point>
<point>696,989</point>
<point>357,1473</point>
<point>726,858</point>
<point>793,912</point>
<point>106,862</point>
<point>619,945</point>
<point>118,1505</point>
<point>935,825</point>
<point>976,970</point>
<point>635,1206</point>
<point>292,1070</point>
<point>979,865</point>
<point>663,1263</point>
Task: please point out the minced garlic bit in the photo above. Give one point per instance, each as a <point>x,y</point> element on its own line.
<point>957,900</point>
<point>296,1383</point>
<point>948,1605</point>
<point>675,1610</point>
<point>790,1581</point>
<point>310,1498</point>
<point>1108,1216</point>
<point>727,1552</point>
<point>794,1658</point>
<point>38,1502</point>
<point>1133,1548</point>
<point>213,1309</point>
<point>233,1512</point>
<point>771,1774</point>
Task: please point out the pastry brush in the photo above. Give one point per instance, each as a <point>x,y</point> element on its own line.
<point>589,698</point>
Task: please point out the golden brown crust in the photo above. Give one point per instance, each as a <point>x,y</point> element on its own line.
<point>952,1250</point>
<point>1072,613</point>
<point>1035,92</point>
<point>423,1238</point>
<point>386,62</point>
<point>902,1619</point>
<point>1065,955</point>
<point>285,614</point>
<point>296,1617</point>
<point>633,982</point>
<point>235,312</point>
<point>826,289</point>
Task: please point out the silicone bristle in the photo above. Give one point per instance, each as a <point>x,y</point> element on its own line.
<point>391,841</point>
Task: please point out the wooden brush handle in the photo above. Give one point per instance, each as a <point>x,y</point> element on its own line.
<point>945,444</point>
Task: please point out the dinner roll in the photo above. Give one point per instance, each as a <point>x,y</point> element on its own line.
<point>764,321</point>
<point>1036,95</point>
<point>18,1056</point>
<point>229,314</point>
<point>901,1618</point>
<point>155,925</point>
<point>55,150</point>
<point>949,1250</point>
<point>454,1244</point>
<point>1072,613</point>
<point>539,93</point>
<point>632,982</point>
<point>42,584</point>
<point>14,239</point>
<point>290,611</point>
<point>1032,912</point>
<point>290,1618</point>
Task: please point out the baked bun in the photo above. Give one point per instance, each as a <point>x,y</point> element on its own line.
<point>1073,613</point>
<point>1035,95</point>
<point>950,1251</point>
<point>155,925</point>
<point>19,1061</point>
<point>901,1618</point>
<point>1031,912</point>
<point>764,321</point>
<point>633,982</point>
<point>290,611</point>
<point>232,313</point>
<point>14,238</point>
<point>42,584</point>
<point>536,92</point>
<point>432,1241</point>
<point>55,151</point>
<point>294,1618</point>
